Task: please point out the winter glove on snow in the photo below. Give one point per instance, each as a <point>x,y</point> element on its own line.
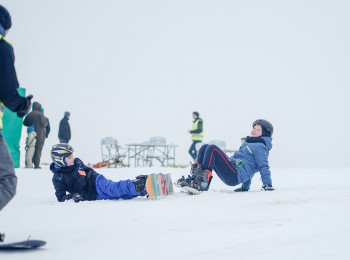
<point>241,189</point>
<point>267,187</point>
<point>77,198</point>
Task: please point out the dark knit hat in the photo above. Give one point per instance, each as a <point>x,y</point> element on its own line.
<point>5,18</point>
<point>66,114</point>
<point>196,113</point>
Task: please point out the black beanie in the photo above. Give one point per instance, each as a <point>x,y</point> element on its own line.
<point>196,113</point>
<point>5,18</point>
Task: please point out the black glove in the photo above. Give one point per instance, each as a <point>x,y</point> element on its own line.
<point>241,189</point>
<point>26,109</point>
<point>2,237</point>
<point>267,187</point>
<point>77,198</point>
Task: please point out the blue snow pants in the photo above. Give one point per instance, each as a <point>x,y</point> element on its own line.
<point>110,190</point>
<point>213,158</point>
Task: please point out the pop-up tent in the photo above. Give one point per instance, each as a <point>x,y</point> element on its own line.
<point>12,129</point>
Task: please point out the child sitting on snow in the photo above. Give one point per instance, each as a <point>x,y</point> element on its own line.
<point>83,183</point>
<point>241,167</point>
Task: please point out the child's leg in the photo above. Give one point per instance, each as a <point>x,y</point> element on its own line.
<point>201,153</point>
<point>107,189</point>
<point>215,159</point>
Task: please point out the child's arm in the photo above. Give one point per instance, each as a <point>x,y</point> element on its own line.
<point>61,191</point>
<point>261,156</point>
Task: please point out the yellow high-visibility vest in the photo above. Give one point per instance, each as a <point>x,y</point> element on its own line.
<point>197,136</point>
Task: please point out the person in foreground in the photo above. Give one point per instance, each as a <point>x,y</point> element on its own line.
<point>252,157</point>
<point>10,98</point>
<point>73,180</point>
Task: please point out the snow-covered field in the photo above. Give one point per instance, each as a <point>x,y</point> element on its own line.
<point>307,217</point>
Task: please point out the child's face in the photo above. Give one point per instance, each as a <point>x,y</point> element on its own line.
<point>69,159</point>
<point>256,131</point>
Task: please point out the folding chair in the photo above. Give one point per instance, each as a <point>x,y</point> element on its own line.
<point>111,152</point>
<point>221,144</point>
<point>156,150</point>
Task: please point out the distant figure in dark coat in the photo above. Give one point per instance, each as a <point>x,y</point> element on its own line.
<point>64,134</point>
<point>36,118</point>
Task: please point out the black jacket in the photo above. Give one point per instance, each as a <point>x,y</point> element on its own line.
<point>76,178</point>
<point>64,129</point>
<point>36,118</point>
<point>9,83</point>
<point>47,128</point>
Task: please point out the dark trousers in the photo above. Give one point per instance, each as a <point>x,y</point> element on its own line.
<point>37,153</point>
<point>213,158</point>
<point>193,151</point>
<point>63,141</point>
<point>8,179</point>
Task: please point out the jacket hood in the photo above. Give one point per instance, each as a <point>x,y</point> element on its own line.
<point>36,106</point>
<point>268,142</point>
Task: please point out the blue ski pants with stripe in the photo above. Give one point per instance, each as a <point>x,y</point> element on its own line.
<point>110,190</point>
<point>213,158</point>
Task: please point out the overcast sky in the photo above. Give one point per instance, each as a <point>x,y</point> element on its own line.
<point>137,69</point>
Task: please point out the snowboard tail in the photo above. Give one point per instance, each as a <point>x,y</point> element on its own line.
<point>159,185</point>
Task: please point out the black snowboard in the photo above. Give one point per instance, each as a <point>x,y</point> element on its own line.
<point>27,244</point>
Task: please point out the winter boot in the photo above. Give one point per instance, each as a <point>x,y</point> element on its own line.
<point>202,181</point>
<point>140,183</point>
<point>187,181</point>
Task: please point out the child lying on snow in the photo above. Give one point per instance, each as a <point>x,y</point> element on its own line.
<point>241,167</point>
<point>83,183</point>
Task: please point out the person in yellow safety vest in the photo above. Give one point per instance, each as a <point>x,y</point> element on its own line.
<point>10,98</point>
<point>196,133</point>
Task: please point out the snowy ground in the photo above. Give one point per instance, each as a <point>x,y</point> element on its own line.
<point>307,217</point>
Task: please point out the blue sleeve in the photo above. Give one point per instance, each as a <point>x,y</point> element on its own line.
<point>261,158</point>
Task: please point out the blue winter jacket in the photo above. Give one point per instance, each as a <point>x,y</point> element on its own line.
<point>252,158</point>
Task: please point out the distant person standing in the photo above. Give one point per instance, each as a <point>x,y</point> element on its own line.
<point>197,134</point>
<point>47,128</point>
<point>30,146</point>
<point>12,100</point>
<point>36,118</point>
<point>64,133</point>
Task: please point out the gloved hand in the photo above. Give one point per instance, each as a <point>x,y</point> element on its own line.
<point>2,237</point>
<point>241,189</point>
<point>267,187</point>
<point>68,196</point>
<point>77,198</point>
<point>27,106</point>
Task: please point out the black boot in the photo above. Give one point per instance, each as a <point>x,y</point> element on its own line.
<point>187,181</point>
<point>202,180</point>
<point>140,183</point>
